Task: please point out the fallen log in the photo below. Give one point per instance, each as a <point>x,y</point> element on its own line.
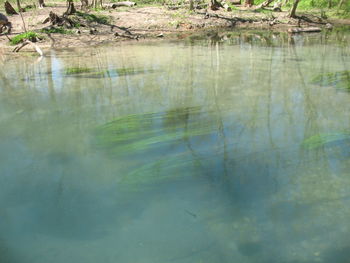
<point>117,34</point>
<point>304,30</point>
<point>196,6</point>
<point>124,3</point>
<point>28,42</point>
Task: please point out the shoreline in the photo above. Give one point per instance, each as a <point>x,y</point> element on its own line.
<point>155,22</point>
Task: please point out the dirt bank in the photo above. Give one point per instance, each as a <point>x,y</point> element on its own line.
<point>151,22</point>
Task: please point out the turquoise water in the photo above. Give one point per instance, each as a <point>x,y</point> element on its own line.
<point>227,149</point>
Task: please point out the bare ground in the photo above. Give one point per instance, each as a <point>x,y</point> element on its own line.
<point>153,22</point>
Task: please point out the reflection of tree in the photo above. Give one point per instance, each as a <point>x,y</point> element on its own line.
<point>50,83</point>
<point>221,125</point>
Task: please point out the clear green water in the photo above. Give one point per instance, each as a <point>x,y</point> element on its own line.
<point>192,151</point>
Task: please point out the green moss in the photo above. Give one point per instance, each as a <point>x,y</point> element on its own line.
<point>339,80</point>
<point>30,35</point>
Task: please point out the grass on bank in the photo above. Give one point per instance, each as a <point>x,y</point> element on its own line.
<point>326,8</point>
<point>30,35</point>
<point>56,30</point>
<point>95,18</point>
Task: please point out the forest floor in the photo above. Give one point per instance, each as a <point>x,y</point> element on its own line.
<point>152,22</point>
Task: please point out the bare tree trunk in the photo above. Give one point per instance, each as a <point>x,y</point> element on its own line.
<point>249,3</point>
<point>330,3</point>
<point>294,8</point>
<point>41,4</point>
<point>191,5</point>
<point>341,3</point>
<point>214,5</point>
<point>9,9</point>
<point>84,4</point>
<point>70,9</point>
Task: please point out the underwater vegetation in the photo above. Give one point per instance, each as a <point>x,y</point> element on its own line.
<point>340,80</point>
<point>85,72</point>
<point>320,140</point>
<point>133,133</point>
<point>160,137</point>
<point>72,71</point>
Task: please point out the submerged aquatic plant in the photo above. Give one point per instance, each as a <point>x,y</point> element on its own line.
<point>339,80</point>
<point>77,70</point>
<point>101,73</point>
<point>152,135</point>
<point>320,140</point>
<point>140,132</point>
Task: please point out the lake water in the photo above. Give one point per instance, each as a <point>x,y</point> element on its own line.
<point>232,148</point>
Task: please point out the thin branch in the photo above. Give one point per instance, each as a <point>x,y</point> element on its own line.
<point>20,13</point>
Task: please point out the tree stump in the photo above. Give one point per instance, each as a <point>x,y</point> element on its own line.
<point>56,20</point>
<point>9,9</point>
<point>5,24</point>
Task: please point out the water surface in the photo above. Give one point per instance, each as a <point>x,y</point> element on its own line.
<point>230,149</point>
